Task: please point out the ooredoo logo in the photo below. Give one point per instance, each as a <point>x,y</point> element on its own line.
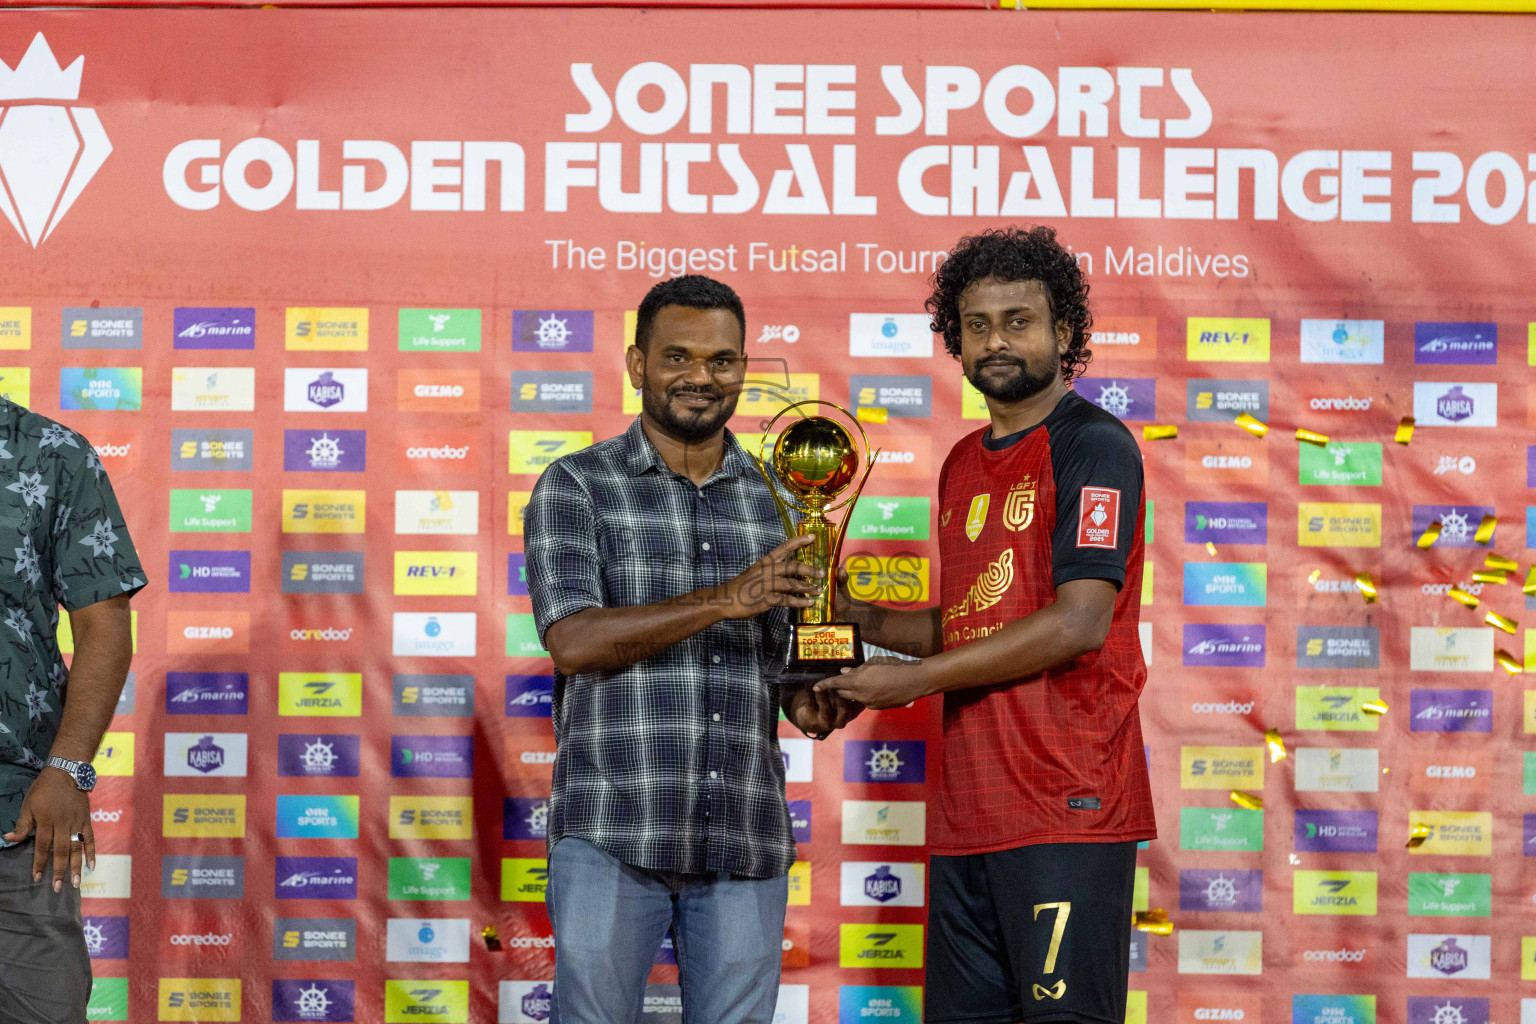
<point>438,451</point>
<point>1341,403</point>
<point>49,151</point>
<point>1333,956</point>
<point>329,633</point>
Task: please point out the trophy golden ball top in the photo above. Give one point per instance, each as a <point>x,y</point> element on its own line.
<point>815,455</point>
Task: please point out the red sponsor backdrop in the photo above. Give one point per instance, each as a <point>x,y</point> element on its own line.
<point>1266,172</point>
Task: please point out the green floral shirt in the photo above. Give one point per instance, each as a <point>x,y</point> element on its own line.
<point>62,542</point>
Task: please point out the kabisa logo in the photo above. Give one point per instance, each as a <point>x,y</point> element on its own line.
<point>1455,404</point>
<point>537,1002</point>
<point>325,390</point>
<point>1438,955</point>
<point>882,886</point>
<point>1448,957</point>
<point>206,756</point>
<point>49,151</point>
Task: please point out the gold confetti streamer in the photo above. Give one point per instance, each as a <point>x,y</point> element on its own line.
<point>1367,587</point>
<point>1485,529</point>
<point>1498,576</point>
<point>1417,833</point>
<point>1404,432</point>
<point>1464,597</point>
<point>1530,583</point>
<point>1508,661</point>
<point>1210,549</point>
<point>1311,437</point>
<point>873,414</point>
<point>1314,576</point>
<point>492,939</point>
<point>1276,744</point>
<point>1493,561</point>
<point>1256,427</point>
<point>1506,624</point>
<point>1374,707</point>
<point>1429,536</point>
<point>1247,800</point>
<point>1155,921</point>
<point>1159,432</point>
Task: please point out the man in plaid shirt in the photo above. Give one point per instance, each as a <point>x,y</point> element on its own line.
<point>661,583</point>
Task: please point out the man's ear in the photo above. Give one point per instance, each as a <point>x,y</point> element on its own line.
<point>634,362</point>
<point>1063,336</point>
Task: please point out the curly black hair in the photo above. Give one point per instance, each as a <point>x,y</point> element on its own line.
<point>1015,254</point>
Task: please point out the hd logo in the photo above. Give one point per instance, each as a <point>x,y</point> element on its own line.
<point>880,945</point>
<point>320,694</point>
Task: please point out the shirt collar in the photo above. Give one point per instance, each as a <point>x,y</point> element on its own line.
<point>640,455</point>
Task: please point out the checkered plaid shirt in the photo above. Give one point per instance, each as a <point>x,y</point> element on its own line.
<point>673,763</point>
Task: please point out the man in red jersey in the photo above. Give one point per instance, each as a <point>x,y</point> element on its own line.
<point>1043,793</point>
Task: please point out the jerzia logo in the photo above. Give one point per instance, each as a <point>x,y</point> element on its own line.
<point>48,151</point>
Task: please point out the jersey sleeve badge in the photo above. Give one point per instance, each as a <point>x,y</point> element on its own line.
<point>1098,522</point>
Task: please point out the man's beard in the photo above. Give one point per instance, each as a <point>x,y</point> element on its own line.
<point>690,425</point>
<point>1012,387</point>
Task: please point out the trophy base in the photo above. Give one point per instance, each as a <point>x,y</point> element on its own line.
<point>819,650</point>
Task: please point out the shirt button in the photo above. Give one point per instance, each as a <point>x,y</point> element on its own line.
<point>715,658</point>
<point>717,716</point>
<point>705,545</point>
<point>712,775</point>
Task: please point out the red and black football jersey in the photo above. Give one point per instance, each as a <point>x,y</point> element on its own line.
<point>1055,757</point>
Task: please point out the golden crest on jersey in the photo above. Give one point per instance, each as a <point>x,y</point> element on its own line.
<point>990,586</point>
<point>976,519</point>
<point>1019,505</point>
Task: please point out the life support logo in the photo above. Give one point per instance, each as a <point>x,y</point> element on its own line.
<point>49,151</point>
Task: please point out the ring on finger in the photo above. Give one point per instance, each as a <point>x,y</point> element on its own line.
<point>78,837</point>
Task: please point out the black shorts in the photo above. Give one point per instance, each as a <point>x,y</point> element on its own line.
<point>1037,933</point>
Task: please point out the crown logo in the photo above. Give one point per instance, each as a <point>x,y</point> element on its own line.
<point>39,76</point>
<point>48,152</point>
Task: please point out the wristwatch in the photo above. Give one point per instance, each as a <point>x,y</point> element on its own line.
<point>83,774</point>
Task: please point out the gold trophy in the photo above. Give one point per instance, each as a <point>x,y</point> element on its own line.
<point>815,460</point>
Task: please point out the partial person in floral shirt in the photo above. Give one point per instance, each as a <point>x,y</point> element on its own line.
<point>63,541</point>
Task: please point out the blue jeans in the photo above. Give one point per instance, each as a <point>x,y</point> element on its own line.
<point>609,919</point>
